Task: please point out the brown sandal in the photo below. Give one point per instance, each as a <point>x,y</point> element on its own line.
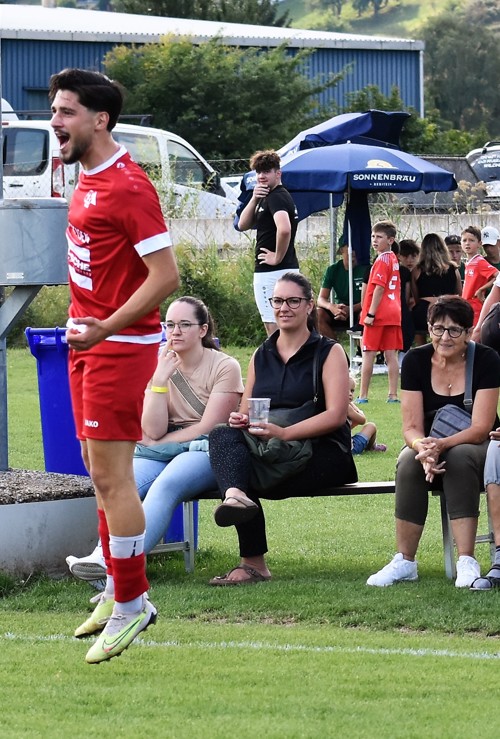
<point>254,576</point>
<point>231,515</point>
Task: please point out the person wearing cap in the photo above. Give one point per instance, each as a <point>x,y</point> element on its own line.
<point>479,274</point>
<point>454,244</point>
<point>333,315</point>
<point>490,239</point>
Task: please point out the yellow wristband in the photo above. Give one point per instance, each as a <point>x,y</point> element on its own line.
<point>415,441</point>
<point>158,389</point>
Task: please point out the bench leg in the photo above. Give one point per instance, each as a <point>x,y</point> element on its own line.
<point>188,526</point>
<point>490,533</point>
<point>448,545</point>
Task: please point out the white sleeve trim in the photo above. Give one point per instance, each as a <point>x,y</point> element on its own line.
<point>154,243</point>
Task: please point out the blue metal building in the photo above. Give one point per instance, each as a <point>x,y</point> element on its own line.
<point>37,41</point>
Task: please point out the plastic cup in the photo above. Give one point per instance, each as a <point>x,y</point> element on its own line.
<point>258,411</point>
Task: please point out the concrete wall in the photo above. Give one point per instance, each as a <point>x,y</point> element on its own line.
<point>317,228</point>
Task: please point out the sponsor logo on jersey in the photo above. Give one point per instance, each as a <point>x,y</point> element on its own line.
<point>90,199</point>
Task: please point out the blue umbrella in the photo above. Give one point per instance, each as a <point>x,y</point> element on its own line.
<point>368,127</point>
<point>306,202</point>
<point>357,169</point>
<point>373,126</point>
<point>364,167</point>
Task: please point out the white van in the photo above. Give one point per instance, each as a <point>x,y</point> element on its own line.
<point>188,186</point>
<point>7,112</point>
<point>486,165</point>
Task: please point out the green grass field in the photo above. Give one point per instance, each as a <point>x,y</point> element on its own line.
<point>403,19</point>
<point>313,653</point>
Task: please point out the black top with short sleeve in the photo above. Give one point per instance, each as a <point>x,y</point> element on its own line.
<point>290,384</point>
<point>416,376</point>
<point>278,199</point>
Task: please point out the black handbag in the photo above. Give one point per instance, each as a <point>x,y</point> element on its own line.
<point>450,419</point>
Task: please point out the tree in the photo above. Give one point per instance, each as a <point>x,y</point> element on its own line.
<point>463,72</point>
<point>421,136</point>
<point>363,5</point>
<point>259,12</point>
<point>226,101</point>
<point>327,6</point>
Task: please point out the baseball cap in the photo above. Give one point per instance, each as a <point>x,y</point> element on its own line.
<point>490,235</point>
<point>452,239</point>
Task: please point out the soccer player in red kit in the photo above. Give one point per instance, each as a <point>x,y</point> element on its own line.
<point>479,273</point>
<point>121,266</point>
<point>381,312</point>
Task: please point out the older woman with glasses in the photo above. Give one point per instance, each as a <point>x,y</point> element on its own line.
<point>282,369</point>
<point>433,376</point>
<point>194,387</point>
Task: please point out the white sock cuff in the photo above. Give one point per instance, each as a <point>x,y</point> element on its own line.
<point>123,547</point>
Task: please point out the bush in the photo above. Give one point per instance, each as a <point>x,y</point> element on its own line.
<point>221,277</point>
<point>49,309</point>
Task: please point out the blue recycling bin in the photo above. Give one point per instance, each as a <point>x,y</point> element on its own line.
<point>61,448</point>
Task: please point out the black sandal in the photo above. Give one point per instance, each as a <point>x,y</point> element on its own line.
<point>489,581</point>
<point>231,515</point>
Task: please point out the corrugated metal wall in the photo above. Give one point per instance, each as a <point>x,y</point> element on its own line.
<point>27,66</point>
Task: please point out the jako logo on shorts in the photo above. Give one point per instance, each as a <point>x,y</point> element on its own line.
<point>92,424</point>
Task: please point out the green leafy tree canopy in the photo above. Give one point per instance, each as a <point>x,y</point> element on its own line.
<point>258,12</point>
<point>226,101</point>
<point>421,136</point>
<point>463,69</point>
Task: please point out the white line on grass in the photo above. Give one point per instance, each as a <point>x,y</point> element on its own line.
<point>263,646</point>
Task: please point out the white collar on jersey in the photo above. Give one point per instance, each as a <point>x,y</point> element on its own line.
<point>108,163</point>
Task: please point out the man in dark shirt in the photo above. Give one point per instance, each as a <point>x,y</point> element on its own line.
<point>272,212</point>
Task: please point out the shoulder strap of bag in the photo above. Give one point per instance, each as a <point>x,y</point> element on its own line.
<point>187,392</point>
<point>321,343</point>
<point>469,365</point>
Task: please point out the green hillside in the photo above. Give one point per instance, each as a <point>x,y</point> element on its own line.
<point>399,18</point>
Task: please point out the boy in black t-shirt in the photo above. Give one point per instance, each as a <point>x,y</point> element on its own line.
<point>272,212</point>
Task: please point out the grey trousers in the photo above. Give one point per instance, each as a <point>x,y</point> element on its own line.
<point>462,483</point>
<point>492,465</point>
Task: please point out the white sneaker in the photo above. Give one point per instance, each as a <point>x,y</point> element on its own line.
<point>468,570</point>
<point>398,570</point>
<point>91,567</point>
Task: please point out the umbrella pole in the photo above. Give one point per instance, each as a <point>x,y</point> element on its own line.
<point>333,230</point>
<point>351,285</point>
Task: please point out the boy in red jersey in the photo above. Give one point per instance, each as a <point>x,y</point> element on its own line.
<point>479,273</point>
<point>121,267</point>
<point>381,312</point>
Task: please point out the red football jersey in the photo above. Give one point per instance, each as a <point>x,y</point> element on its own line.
<point>385,272</point>
<point>478,271</point>
<point>114,219</point>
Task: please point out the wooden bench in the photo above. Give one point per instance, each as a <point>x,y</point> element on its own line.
<point>359,488</point>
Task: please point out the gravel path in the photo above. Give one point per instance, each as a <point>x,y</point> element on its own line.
<point>31,486</point>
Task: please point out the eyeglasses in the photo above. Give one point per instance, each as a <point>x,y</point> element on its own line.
<point>182,325</point>
<point>291,302</point>
<point>453,331</point>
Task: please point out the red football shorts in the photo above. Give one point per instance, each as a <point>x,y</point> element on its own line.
<point>107,386</point>
<point>380,338</point>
